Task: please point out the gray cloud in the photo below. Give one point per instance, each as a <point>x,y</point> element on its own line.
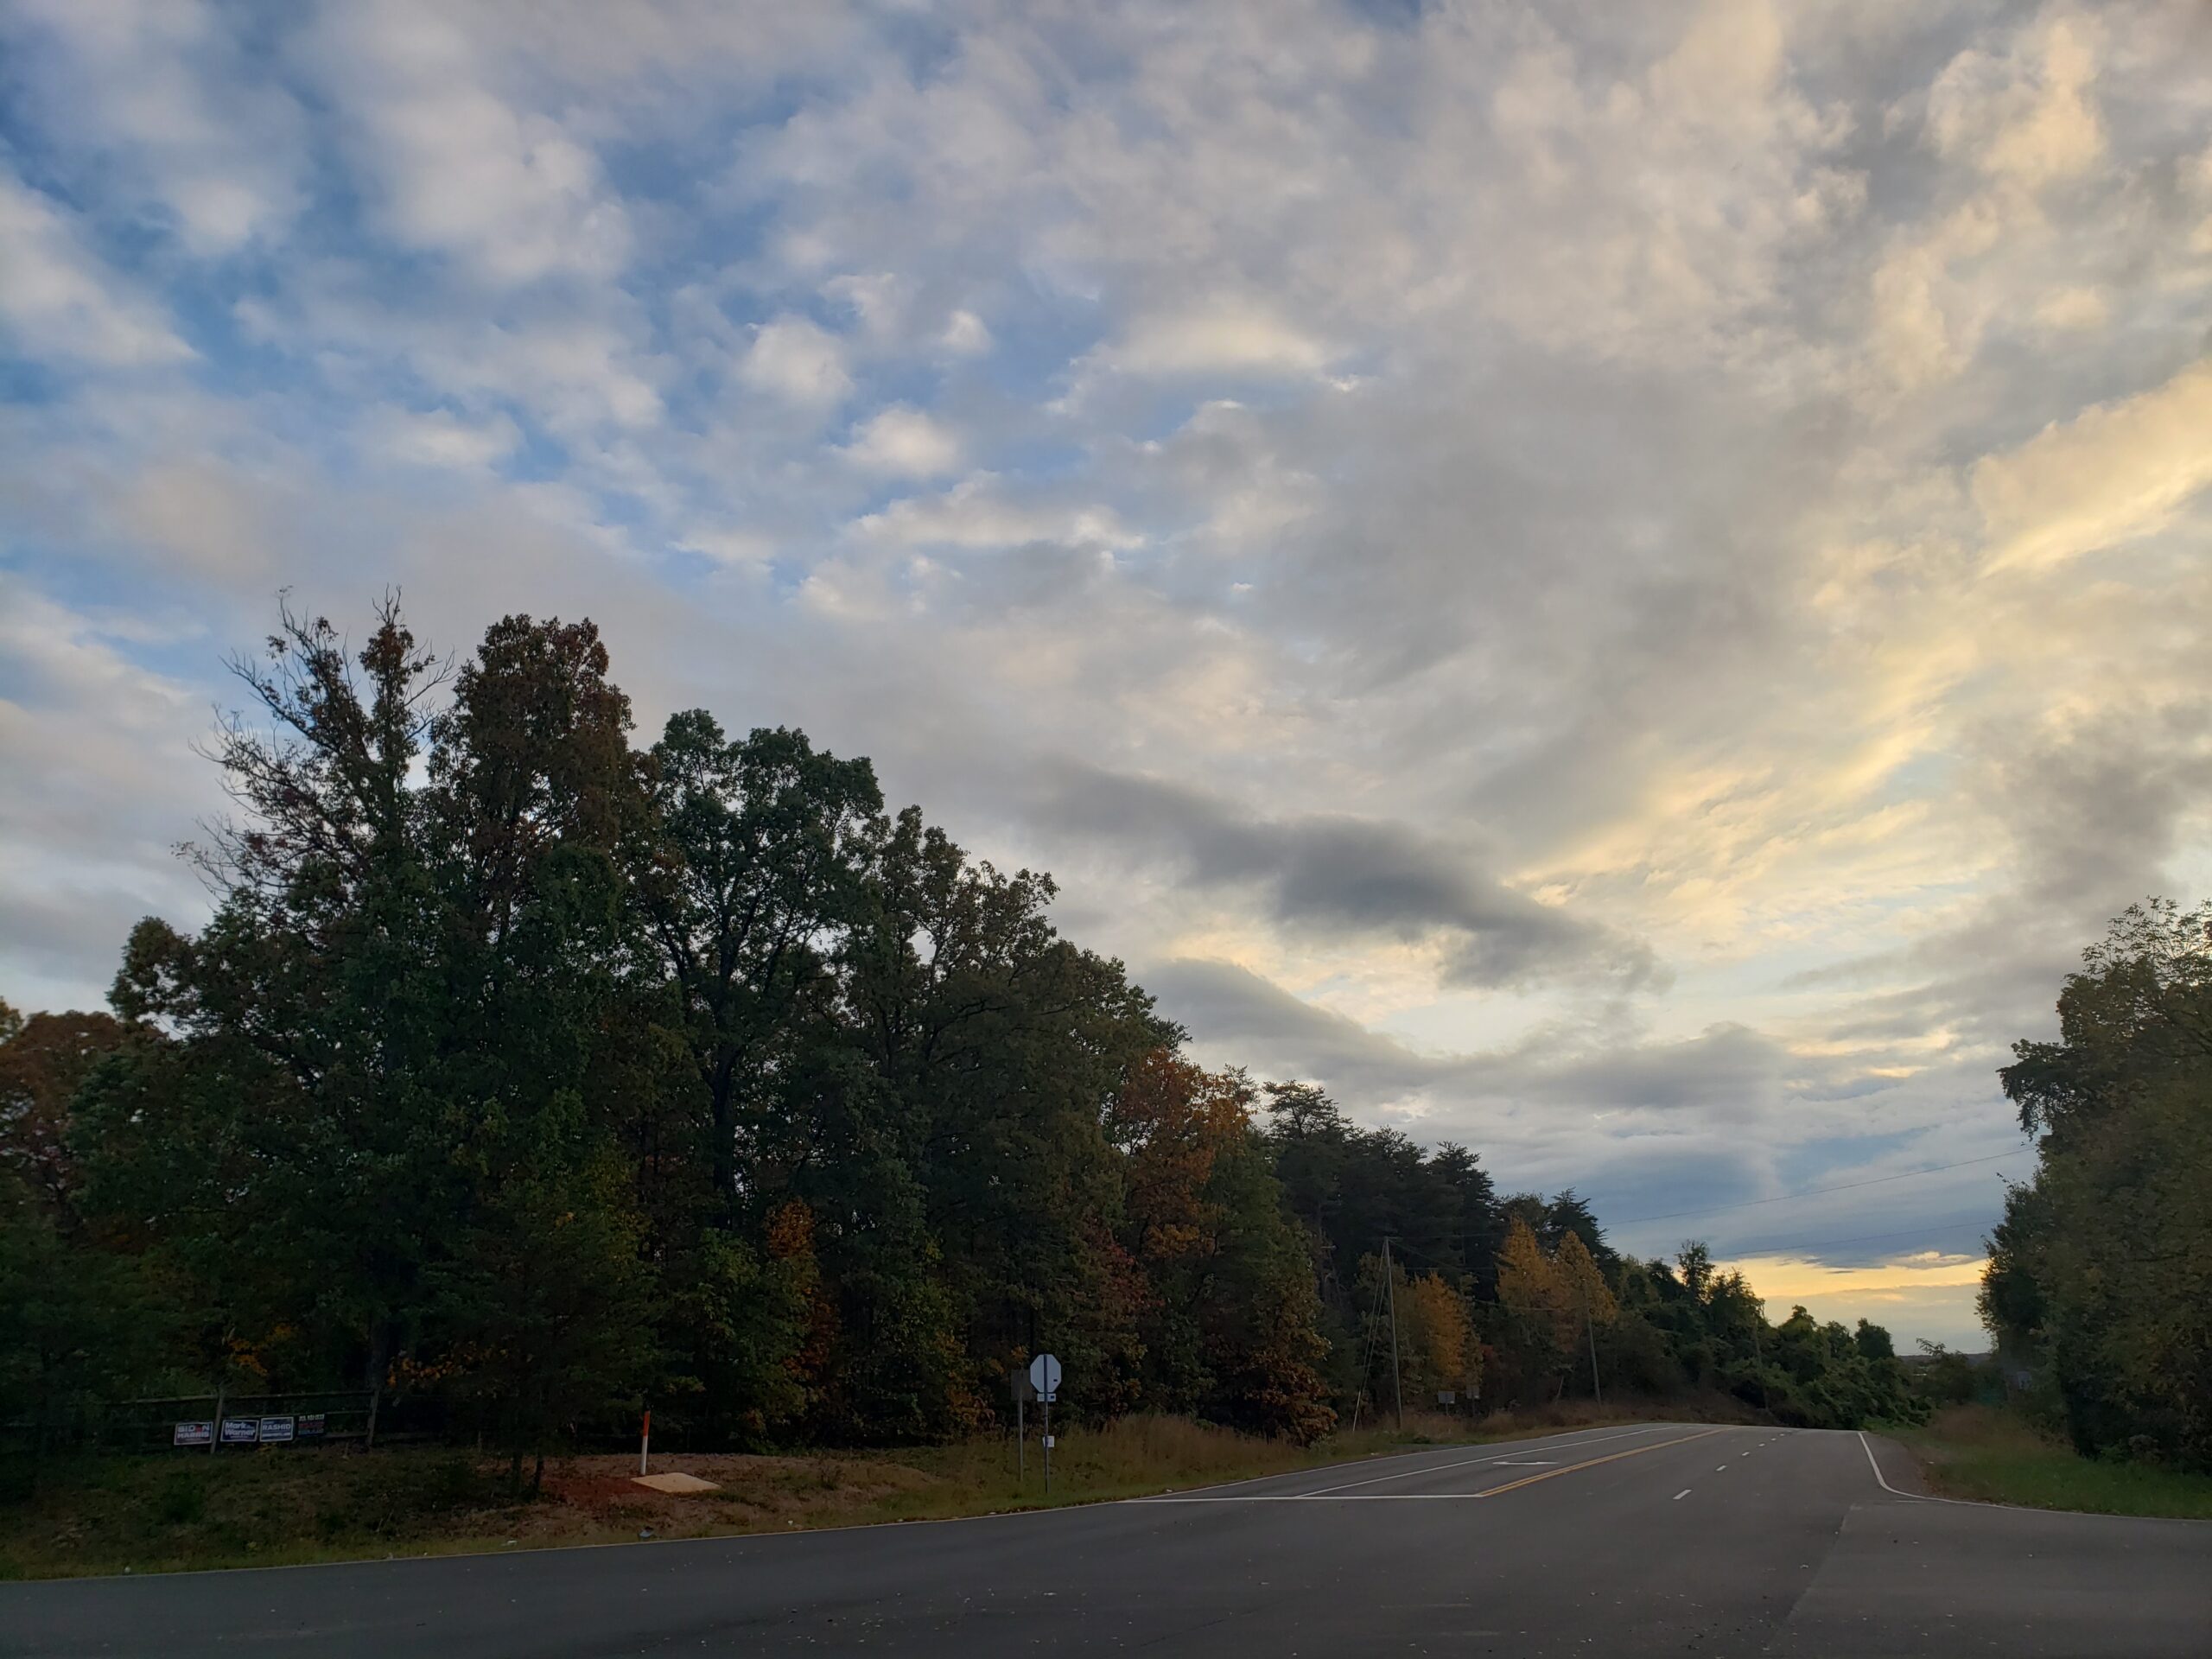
<point>1343,876</point>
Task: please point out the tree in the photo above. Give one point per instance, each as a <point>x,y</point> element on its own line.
<point>1231,1331</point>
<point>1440,1350</point>
<point>44,1061</point>
<point>2099,1271</point>
<point>752,871</point>
<point>77,1324</point>
<point>1538,1319</point>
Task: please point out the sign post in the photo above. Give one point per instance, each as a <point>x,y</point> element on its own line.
<point>1045,1377</point>
<point>646,1440</point>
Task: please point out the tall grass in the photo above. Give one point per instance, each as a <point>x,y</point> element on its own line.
<point>1997,1456</point>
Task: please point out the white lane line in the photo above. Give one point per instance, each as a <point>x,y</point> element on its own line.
<point>1722,1467</point>
<point>1680,1496</point>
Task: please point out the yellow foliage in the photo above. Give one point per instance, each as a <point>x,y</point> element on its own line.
<point>1442,1335</point>
<point>1582,1283</point>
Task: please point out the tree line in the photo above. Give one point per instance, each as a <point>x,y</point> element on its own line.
<point>534,1074</point>
<point>2099,1277</point>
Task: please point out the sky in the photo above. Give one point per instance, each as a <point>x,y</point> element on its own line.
<point>1626,585</point>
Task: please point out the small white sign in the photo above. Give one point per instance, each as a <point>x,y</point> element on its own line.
<point>1049,1439</point>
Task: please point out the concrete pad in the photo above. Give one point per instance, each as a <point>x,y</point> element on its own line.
<point>673,1482</point>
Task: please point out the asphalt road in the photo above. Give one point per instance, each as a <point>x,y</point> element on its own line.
<point>1664,1538</point>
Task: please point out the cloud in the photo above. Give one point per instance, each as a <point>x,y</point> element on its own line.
<point>964,334</point>
<point>794,359</point>
<point>978,512</point>
<point>904,442</point>
<point>511,194</point>
<point>163,94</point>
<point>2024,115</point>
<point>438,437</point>
<point>58,300</point>
<point>2115,471</point>
<point>1225,338</point>
<point>1340,875</point>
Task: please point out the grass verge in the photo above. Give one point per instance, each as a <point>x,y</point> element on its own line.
<point>1997,1457</point>
<point>278,1507</point>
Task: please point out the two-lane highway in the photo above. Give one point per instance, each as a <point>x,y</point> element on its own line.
<point>1659,1539</point>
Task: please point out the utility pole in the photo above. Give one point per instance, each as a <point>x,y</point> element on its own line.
<point>1398,1385</point>
<point>1758,1355</point>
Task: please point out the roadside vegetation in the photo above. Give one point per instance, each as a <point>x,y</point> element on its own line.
<point>2100,1283</point>
<point>93,1514</point>
<point>1998,1456</point>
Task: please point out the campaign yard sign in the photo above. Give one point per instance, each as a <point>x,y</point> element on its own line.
<point>193,1434</point>
<point>241,1430</point>
<point>276,1430</point>
<point>312,1424</point>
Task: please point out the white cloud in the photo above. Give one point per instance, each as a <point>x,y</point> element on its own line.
<point>2071,310</point>
<point>60,302</point>
<point>2115,471</point>
<point>510,192</point>
<point>1224,338</point>
<point>904,442</point>
<point>741,549</point>
<point>2027,115</point>
<point>977,514</point>
<point>964,335</point>
<point>164,94</point>
<point>438,437</point>
<point>794,359</point>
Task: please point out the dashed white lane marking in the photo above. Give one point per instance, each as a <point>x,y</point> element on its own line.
<point>1718,1471</point>
<point>1680,1496</point>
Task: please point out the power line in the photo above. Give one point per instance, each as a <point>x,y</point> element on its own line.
<point>1857,1238</point>
<point>1814,1192</point>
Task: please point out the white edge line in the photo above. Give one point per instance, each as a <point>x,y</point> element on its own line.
<point>2017,1508</point>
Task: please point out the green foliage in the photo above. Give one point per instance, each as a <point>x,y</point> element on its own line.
<point>2100,1273</point>
<point>77,1324</point>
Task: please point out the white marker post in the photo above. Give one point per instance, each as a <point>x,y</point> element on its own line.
<point>646,1440</point>
<point>1045,1377</point>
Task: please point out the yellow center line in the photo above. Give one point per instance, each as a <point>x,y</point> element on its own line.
<point>1571,1468</point>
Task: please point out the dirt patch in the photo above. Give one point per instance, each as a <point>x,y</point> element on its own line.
<point>750,1492</point>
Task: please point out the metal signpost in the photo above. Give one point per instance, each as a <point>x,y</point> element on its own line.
<point>1045,1377</point>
